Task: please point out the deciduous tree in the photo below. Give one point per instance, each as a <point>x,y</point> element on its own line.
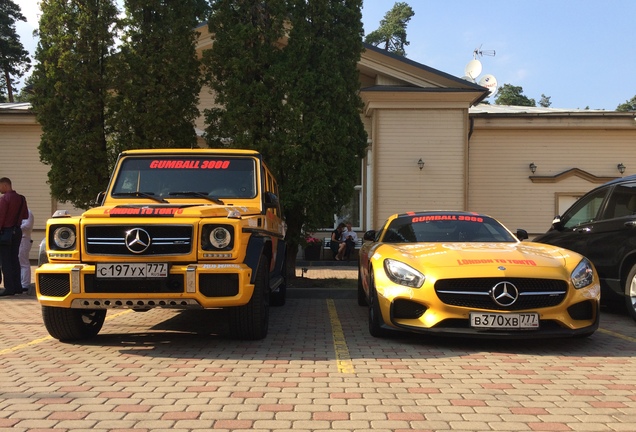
<point>629,105</point>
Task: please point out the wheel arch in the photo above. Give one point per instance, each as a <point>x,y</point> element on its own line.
<point>257,247</point>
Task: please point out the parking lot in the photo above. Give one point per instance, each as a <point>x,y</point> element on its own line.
<point>319,369</point>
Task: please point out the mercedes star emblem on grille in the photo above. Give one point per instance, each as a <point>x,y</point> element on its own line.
<point>137,240</point>
<point>504,294</point>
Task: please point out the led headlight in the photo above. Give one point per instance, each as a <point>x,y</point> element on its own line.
<point>64,237</point>
<point>583,274</point>
<point>403,274</point>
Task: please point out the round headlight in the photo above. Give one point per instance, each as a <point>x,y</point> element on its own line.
<point>220,237</point>
<point>64,237</point>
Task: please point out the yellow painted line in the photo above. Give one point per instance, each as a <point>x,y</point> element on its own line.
<point>618,335</point>
<point>24,345</point>
<point>343,358</point>
<point>46,338</point>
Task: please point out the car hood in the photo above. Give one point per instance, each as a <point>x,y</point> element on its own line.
<point>467,256</point>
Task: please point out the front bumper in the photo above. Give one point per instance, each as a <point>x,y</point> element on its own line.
<point>411,310</point>
<point>187,286</point>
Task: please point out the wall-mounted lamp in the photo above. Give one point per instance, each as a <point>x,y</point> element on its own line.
<point>420,163</point>
<point>621,168</point>
<point>532,167</point>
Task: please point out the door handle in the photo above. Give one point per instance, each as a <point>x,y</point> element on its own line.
<point>630,224</point>
<point>583,230</point>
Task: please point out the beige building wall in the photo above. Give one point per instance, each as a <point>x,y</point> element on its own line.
<point>402,138</point>
<point>501,150</point>
<point>19,140</point>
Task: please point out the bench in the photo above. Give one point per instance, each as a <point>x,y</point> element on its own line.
<point>327,246</point>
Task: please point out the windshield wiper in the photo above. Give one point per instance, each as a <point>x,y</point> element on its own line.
<point>148,195</point>
<point>198,194</point>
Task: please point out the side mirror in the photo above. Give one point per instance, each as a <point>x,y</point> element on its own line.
<point>557,224</point>
<point>100,198</point>
<point>369,235</point>
<point>270,200</point>
<point>522,234</point>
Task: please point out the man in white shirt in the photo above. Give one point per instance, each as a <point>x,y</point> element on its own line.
<point>25,249</point>
<point>350,237</point>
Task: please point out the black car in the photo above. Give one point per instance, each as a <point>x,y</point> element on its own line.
<point>601,225</point>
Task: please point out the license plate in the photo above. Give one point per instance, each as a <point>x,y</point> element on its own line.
<point>132,271</point>
<point>504,321</point>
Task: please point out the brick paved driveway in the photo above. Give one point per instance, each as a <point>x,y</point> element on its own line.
<point>319,369</point>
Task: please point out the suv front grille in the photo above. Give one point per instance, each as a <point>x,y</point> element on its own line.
<point>474,292</point>
<point>164,239</point>
<point>54,284</point>
<point>170,285</point>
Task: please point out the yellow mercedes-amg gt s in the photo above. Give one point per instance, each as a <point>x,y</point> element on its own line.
<point>461,273</point>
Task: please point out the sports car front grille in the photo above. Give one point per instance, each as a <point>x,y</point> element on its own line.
<point>475,293</point>
<point>164,239</point>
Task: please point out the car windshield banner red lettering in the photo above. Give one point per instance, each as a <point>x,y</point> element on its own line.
<point>430,218</point>
<point>189,164</point>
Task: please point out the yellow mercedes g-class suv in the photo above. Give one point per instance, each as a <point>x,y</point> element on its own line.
<point>176,228</point>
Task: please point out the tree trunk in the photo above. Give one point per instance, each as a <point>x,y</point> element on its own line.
<point>7,80</point>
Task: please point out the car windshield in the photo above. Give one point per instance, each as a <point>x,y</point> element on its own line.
<point>445,228</point>
<point>185,177</point>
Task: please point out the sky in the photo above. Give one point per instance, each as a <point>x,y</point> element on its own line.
<point>580,53</point>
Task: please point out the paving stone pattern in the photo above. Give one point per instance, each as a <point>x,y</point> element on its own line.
<point>166,370</point>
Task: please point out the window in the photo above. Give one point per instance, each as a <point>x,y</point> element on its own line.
<point>584,210</point>
<point>351,212</point>
<point>622,202</point>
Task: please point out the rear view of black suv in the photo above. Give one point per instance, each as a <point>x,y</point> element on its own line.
<point>601,225</point>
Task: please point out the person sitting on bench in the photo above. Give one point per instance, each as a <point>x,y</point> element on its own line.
<point>349,237</point>
<point>336,243</point>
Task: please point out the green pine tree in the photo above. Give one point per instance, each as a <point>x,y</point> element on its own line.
<point>14,59</point>
<point>286,83</point>
<point>326,138</point>
<point>391,35</point>
<point>513,95</point>
<point>70,92</point>
<point>244,70</point>
<point>157,76</point>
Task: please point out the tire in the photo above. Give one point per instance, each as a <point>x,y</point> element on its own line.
<point>375,315</point>
<point>630,293</point>
<point>362,296</point>
<point>251,321</point>
<point>73,324</point>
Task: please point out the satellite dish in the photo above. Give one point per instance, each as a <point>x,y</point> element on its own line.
<point>467,78</point>
<point>490,82</point>
<point>473,69</point>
